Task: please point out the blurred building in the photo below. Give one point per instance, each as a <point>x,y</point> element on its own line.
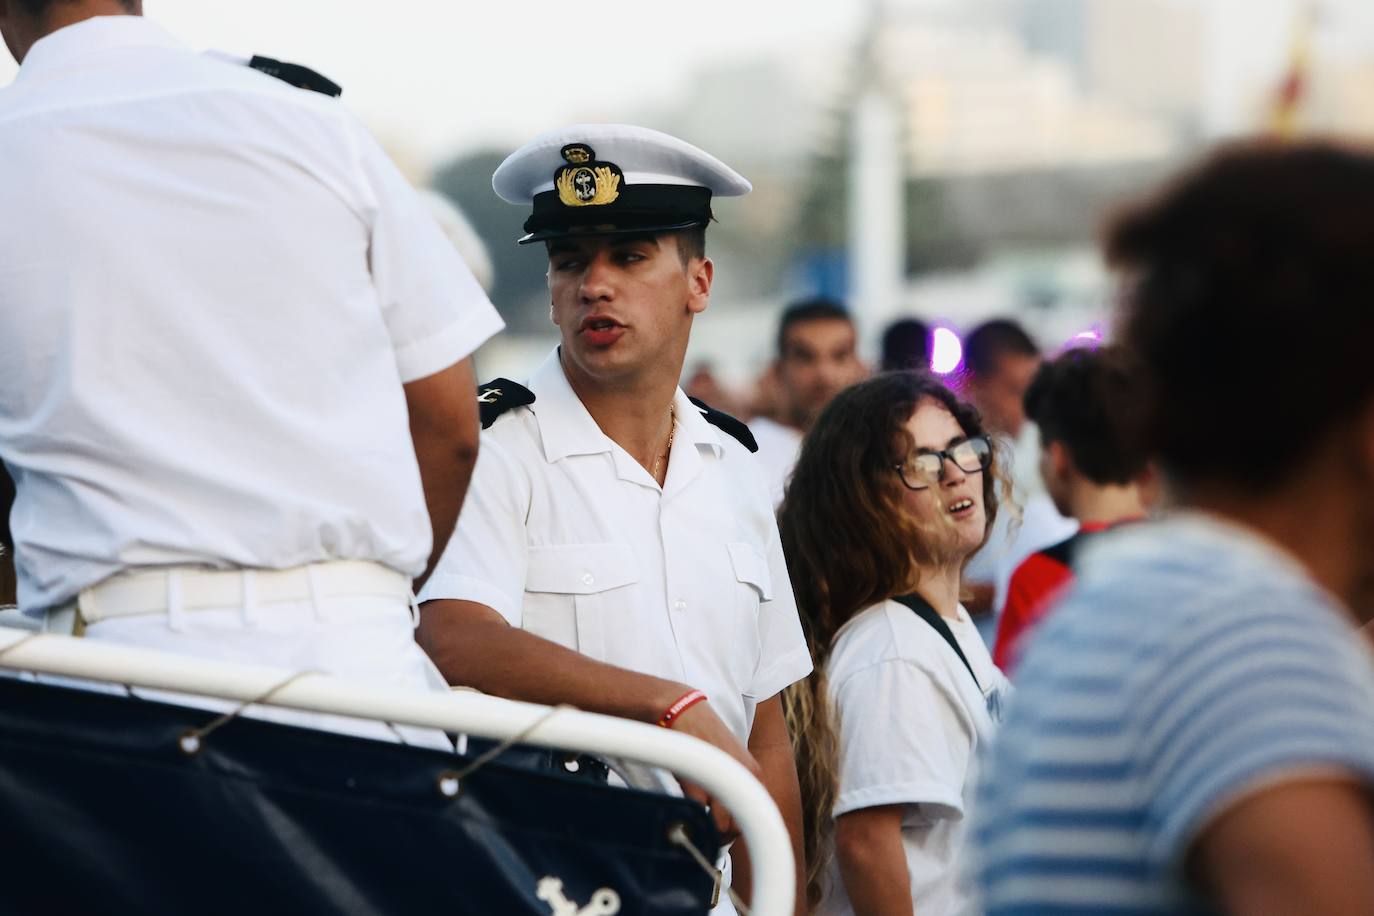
<point>1022,123</point>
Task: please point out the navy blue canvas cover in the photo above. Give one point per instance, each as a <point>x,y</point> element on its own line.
<point>102,812</point>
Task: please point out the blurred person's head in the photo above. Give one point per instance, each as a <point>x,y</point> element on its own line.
<point>1000,359</point>
<point>465,239</point>
<point>1087,404</point>
<point>1247,301</point>
<point>906,345</point>
<point>870,510</point>
<point>817,357</point>
<point>23,22</point>
<point>702,384</point>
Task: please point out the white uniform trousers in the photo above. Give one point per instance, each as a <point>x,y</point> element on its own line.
<point>365,638</point>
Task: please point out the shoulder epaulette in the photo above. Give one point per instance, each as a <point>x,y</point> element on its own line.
<point>727,423</point>
<point>296,75</point>
<point>498,396</point>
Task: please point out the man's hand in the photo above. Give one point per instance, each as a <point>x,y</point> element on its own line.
<point>473,646</point>
<point>701,722</point>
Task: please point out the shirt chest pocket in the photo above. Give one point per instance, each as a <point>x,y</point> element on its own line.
<point>751,569</point>
<point>570,587</point>
<point>753,585</point>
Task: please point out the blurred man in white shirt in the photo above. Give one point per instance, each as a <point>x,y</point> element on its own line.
<point>817,358</point>
<point>234,389</point>
<point>1001,360</point>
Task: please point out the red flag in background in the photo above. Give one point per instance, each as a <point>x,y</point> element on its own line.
<point>1284,115</point>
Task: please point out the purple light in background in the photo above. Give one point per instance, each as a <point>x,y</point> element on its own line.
<point>946,351</point>
<point>1091,334</point>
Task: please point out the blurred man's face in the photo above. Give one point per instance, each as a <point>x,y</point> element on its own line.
<point>1054,471</point>
<point>1000,394</point>
<point>818,360</point>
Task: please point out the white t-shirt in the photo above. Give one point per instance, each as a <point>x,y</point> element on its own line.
<point>912,723</point>
<point>778,449</point>
<point>566,536</point>
<point>212,288</point>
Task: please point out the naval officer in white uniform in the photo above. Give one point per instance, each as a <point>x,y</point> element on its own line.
<point>618,550</point>
<point>234,389</point>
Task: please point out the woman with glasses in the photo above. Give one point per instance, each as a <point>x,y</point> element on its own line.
<point>892,492</point>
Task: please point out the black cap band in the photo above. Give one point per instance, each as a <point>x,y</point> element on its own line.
<point>637,208</point>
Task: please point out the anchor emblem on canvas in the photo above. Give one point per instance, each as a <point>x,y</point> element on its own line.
<point>605,902</point>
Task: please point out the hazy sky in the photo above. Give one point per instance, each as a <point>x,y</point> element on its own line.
<point>439,77</point>
<point>443,75</point>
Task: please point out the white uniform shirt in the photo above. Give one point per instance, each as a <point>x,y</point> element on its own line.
<point>567,536</point>
<point>912,724</point>
<point>778,449</point>
<point>212,288</point>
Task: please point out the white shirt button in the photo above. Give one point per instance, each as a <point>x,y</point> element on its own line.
<point>588,579</point>
<point>679,605</point>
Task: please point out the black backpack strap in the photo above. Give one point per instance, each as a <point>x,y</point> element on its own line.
<point>1065,551</point>
<point>927,613</point>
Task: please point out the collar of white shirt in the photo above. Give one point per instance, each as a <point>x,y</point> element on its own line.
<point>566,427</point>
<point>88,36</point>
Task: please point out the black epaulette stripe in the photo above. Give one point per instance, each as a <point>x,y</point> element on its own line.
<point>498,396</point>
<point>296,75</point>
<point>723,421</point>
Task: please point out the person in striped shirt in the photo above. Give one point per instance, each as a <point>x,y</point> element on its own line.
<point>1194,725</point>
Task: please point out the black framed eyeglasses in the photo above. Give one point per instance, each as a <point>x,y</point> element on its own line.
<point>925,469</point>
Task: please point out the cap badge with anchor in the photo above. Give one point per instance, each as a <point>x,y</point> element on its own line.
<point>584,182</point>
<point>612,180</point>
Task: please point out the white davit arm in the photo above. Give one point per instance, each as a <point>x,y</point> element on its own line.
<point>475,714</point>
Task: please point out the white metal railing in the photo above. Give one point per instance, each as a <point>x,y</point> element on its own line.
<point>474,714</point>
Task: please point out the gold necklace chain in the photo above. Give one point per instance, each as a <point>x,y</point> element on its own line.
<point>672,431</point>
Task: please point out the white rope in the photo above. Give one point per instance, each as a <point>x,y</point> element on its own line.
<point>677,835</point>
<point>193,739</point>
<point>506,745</point>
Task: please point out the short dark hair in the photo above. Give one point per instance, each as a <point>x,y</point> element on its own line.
<point>990,341</point>
<point>814,309</point>
<point>37,9</point>
<point>1248,306</point>
<point>1090,401</point>
<point>906,345</point>
<point>691,243</point>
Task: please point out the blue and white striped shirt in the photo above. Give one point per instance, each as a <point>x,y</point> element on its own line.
<point>1192,662</point>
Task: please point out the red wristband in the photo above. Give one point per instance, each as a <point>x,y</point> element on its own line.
<point>681,705</point>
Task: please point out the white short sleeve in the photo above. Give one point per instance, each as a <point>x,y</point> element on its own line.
<point>902,741</point>
<point>486,558</point>
<point>783,655</point>
<point>435,311</point>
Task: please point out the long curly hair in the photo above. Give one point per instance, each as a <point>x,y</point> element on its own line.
<point>851,543</point>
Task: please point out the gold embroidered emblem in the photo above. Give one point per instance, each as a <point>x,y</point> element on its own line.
<point>489,396</point>
<point>584,182</point>
<point>577,154</point>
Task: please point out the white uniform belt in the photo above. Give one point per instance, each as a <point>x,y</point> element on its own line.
<point>148,592</point>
